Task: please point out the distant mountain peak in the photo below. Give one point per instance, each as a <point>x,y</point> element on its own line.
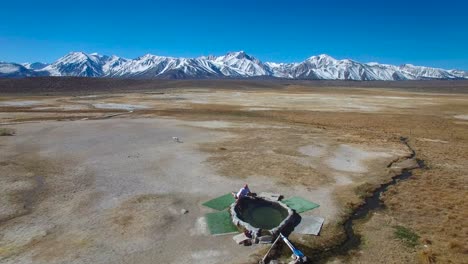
<point>77,54</point>
<point>240,55</point>
<point>148,55</point>
<point>322,57</point>
<point>236,53</point>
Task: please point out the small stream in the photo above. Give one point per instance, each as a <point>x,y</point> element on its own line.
<point>371,203</point>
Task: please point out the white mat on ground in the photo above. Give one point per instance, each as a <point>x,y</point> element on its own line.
<point>240,238</point>
<point>310,225</point>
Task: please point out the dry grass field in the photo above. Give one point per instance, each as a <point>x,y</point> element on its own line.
<point>92,175</point>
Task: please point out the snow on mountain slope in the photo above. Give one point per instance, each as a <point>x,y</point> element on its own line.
<point>420,72</point>
<point>459,74</point>
<point>112,64</point>
<point>78,64</point>
<point>14,70</point>
<point>233,64</point>
<point>328,68</point>
<point>385,72</point>
<point>35,65</point>
<point>187,68</point>
<point>242,64</point>
<point>158,66</point>
<point>138,66</point>
<point>8,68</point>
<point>282,70</point>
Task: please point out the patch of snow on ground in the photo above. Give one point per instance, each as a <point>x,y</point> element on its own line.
<point>64,107</point>
<point>211,124</point>
<point>393,97</point>
<point>259,108</point>
<point>350,159</point>
<point>432,140</point>
<point>19,103</point>
<point>200,228</point>
<point>361,107</point>
<point>119,106</point>
<point>312,150</point>
<point>224,124</point>
<point>208,256</point>
<point>463,117</point>
<point>342,180</point>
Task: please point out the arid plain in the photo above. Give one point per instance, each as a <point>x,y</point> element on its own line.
<point>95,177</point>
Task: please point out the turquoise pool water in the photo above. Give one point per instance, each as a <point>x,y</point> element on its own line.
<point>260,213</point>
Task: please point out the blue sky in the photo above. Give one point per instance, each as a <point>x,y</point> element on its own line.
<point>432,33</point>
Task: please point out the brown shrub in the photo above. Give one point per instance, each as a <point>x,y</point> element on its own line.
<point>7,131</point>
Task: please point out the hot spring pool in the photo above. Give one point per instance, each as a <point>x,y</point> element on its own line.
<point>260,213</point>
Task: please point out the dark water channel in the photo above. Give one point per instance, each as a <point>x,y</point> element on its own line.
<point>370,204</point>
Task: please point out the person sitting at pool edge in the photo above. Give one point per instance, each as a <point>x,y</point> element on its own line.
<point>243,192</point>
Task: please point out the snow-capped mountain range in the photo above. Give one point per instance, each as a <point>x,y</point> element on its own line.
<point>232,65</point>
